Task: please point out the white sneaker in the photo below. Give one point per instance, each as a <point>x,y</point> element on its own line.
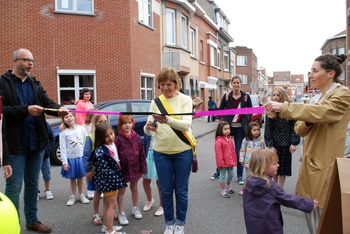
<point>122,219</point>
<point>37,199</point>
<point>48,195</point>
<point>169,229</point>
<point>148,205</point>
<point>83,199</point>
<point>179,229</point>
<point>90,194</point>
<point>116,228</point>
<point>71,201</point>
<point>136,212</point>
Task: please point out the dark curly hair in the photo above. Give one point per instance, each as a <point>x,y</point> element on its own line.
<point>332,62</point>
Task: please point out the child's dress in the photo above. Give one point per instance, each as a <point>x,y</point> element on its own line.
<point>262,206</point>
<point>151,166</point>
<point>132,156</point>
<point>107,174</point>
<point>72,147</point>
<point>247,149</point>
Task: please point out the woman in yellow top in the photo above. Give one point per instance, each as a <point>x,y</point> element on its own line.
<point>173,157</point>
<point>323,124</point>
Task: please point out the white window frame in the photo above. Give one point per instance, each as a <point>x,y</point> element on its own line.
<point>213,56</point>
<point>145,12</point>
<point>242,60</point>
<point>341,50</point>
<point>244,78</point>
<point>226,61</point>
<point>219,58</point>
<point>76,88</point>
<point>170,26</point>
<point>148,87</point>
<point>72,6</point>
<point>193,42</point>
<point>184,27</point>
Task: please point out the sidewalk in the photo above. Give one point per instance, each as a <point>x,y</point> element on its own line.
<point>201,127</point>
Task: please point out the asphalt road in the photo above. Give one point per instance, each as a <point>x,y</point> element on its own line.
<point>208,211</point>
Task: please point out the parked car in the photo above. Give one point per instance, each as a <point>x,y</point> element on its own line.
<point>115,106</point>
<point>258,117</point>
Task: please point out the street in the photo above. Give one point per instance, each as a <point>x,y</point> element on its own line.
<point>208,211</point>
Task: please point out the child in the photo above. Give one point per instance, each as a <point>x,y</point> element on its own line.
<point>226,157</point>
<point>45,167</point>
<point>83,104</point>
<point>280,135</point>
<point>251,142</point>
<point>149,176</point>
<point>262,198</point>
<point>72,140</point>
<point>88,148</point>
<point>133,164</point>
<point>107,174</point>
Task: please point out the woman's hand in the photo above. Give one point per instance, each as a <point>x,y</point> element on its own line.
<point>150,125</point>
<point>160,118</point>
<point>89,175</point>
<point>273,106</point>
<point>315,204</point>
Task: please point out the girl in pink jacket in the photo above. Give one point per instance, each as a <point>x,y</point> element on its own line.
<point>226,157</point>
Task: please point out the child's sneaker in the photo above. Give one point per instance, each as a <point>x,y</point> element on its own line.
<point>169,229</point>
<point>179,229</point>
<point>136,212</point>
<point>224,194</point>
<point>71,201</point>
<point>83,199</point>
<point>240,181</point>
<point>122,219</point>
<point>37,199</point>
<point>229,189</point>
<point>48,195</point>
<point>116,228</point>
<point>90,194</point>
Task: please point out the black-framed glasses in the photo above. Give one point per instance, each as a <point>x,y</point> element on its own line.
<point>27,60</point>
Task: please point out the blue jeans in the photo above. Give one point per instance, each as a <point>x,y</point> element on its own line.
<point>173,174</point>
<point>45,169</point>
<point>25,167</point>
<point>238,136</point>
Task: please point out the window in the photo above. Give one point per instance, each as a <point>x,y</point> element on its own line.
<point>170,26</point>
<point>193,42</point>
<point>244,78</point>
<point>201,55</point>
<point>242,60</point>
<point>226,61</point>
<point>70,82</point>
<point>184,31</point>
<point>341,50</point>
<point>145,12</point>
<point>147,87</point>
<point>299,89</point>
<point>334,51</point>
<point>213,56</point>
<point>75,6</point>
<point>219,58</point>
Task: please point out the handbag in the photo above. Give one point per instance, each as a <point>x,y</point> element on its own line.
<point>165,108</point>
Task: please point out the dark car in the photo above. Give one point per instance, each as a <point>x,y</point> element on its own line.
<point>111,106</point>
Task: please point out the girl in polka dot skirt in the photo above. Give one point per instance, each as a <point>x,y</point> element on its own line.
<point>107,174</point>
<point>281,137</point>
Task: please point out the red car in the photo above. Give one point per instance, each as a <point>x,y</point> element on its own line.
<point>256,103</point>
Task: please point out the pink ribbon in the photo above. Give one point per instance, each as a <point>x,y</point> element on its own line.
<point>239,111</point>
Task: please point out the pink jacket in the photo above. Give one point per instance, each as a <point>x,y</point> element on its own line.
<point>82,105</point>
<point>225,152</point>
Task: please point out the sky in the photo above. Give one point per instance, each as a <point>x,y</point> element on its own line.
<point>284,35</point>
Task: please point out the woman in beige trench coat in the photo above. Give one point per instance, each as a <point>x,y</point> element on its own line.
<point>323,124</point>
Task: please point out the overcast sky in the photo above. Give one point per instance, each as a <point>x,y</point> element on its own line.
<point>285,35</point>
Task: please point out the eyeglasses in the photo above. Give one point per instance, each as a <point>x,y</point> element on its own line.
<point>27,60</point>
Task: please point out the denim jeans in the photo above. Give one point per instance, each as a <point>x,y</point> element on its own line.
<point>25,167</point>
<point>46,169</point>
<point>173,174</point>
<point>238,135</point>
